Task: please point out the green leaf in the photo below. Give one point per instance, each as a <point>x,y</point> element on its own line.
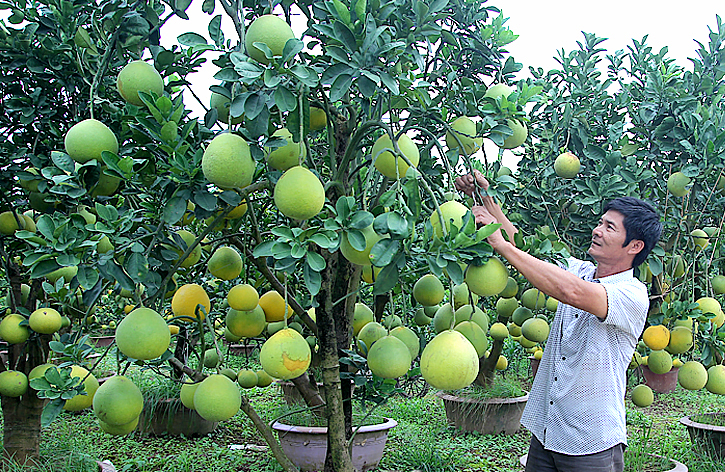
<point>361,219</point>
<point>206,200</point>
<point>316,261</point>
<point>285,99</point>
<point>345,36</point>
<point>356,238</point>
<point>340,86</point>
<point>208,6</point>
<point>322,240</point>
<point>384,251</point>
<point>391,223</point>
<point>455,272</point>
<point>291,48</point>
<point>342,12</point>
<point>136,266</point>
<point>215,31</point>
<point>63,161</point>
<point>107,212</point>
<point>313,279</point>
<point>264,249</point>
<point>51,411</point>
<point>87,277</point>
<point>387,279</point>
<point>191,39</point>
<point>392,84</point>
<point>174,210</point>
<point>254,105</point>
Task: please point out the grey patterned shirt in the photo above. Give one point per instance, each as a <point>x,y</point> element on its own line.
<point>576,404</point>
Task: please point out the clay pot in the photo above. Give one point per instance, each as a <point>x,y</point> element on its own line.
<point>662,383</point>
<point>709,438</point>
<point>170,416</point>
<point>486,416</point>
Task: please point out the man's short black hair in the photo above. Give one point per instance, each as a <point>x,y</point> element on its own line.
<point>641,221</point>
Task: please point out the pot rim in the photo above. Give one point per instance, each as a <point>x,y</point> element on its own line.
<point>687,421</point>
<point>494,400</point>
<point>389,423</point>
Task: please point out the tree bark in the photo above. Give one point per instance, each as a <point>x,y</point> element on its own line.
<point>487,365</point>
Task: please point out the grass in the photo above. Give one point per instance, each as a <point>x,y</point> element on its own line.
<point>422,441</point>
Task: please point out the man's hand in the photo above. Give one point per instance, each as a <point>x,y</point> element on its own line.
<point>469,184</point>
<point>465,183</point>
<point>484,217</point>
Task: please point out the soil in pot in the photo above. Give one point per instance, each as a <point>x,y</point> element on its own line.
<point>170,416</point>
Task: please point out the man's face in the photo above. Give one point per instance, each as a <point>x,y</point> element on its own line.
<point>608,238</point>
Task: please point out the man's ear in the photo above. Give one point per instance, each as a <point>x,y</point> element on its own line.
<point>635,246</point>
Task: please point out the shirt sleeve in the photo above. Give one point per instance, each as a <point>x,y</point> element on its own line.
<point>627,306</point>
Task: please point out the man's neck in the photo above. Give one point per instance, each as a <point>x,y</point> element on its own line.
<point>605,270</point>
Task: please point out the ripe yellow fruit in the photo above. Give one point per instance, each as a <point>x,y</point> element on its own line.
<point>408,337</point>
<point>677,184</point>
<point>475,335</point>
<point>284,157</point>
<point>498,331</point>
<point>681,340</point>
<point>453,212</point>
<point>700,239</point>
<point>246,323</point>
<point>389,358</point>
<point>247,378</point>
<point>385,161</point>
<point>88,139</point>
<point>656,337</point>
<point>498,90</point>
<point>428,290</point>
<point>243,297</point>
<point>487,279</point>
<point>552,304</point>
<point>535,329</point>
<point>520,133</point>
<point>692,375</point>
<point>227,162</point>
<point>285,355</point>
<point>139,76</point>
<point>538,354</point>
<point>449,361</point>
<point>502,363</point>
<point>659,362</point>
<point>514,329</point>
<point>143,334</point>
<point>710,305</point>
<point>642,395</point>
<point>10,330</point>
<point>225,263</point>
<point>299,194</point>
<point>90,386</point>
<point>318,119</point>
<point>716,379</point>
<point>274,306</point>
<point>718,284</point>
<point>118,401</point>
<point>270,30</point>
<point>465,130</point>
<point>173,329</point>
<point>362,315</point>
<point>506,306</point>
<point>360,257</point>
<point>533,299</point>
<point>187,394</point>
<point>45,321</point>
<point>9,225</point>
<point>217,398</point>
<point>567,165</point>
<point>13,383</point>
<point>186,299</point>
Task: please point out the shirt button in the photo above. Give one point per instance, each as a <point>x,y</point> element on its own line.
<point>554,379</point>
<point>563,358</point>
<point>551,403</point>
<point>576,316</point>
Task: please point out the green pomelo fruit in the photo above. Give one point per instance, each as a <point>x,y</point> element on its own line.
<point>143,334</point>
<point>45,321</point>
<point>246,324</point>
<point>361,316</point>
<point>299,194</point>
<point>270,30</point>
<point>443,319</point>
<point>10,330</point>
<point>284,157</point>
<point>119,430</point>
<point>449,361</point>
<point>118,401</point>
<point>227,162</point>
<point>472,313</point>
<point>187,394</point>
<point>225,263</point>
<point>453,212</point>
<point>389,358</point>
<point>642,396</point>
<point>90,384</point>
<point>370,333</point>
<point>498,331</point>
<point>361,257</point>
<point>88,139</point>
<point>247,378</point>
<point>13,383</point>
<point>692,376</point>
<point>512,288</point>
<point>477,337</point>
<point>716,379</point>
<point>535,329</point>
<point>139,76</point>
<point>410,339</point>
<point>285,355</point>
<point>659,362</point>
<point>533,299</point>
<point>488,279</point>
<point>385,161</point>
<point>217,398</point>
<point>463,296</point>
<point>505,307</point>
<point>211,358</point>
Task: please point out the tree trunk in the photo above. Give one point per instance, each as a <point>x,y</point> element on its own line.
<point>487,365</point>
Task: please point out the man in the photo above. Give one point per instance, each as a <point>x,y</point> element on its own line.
<point>575,410</point>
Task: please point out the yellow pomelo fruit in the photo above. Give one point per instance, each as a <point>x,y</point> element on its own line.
<point>506,306</point>
<point>143,334</point>
<point>370,274</point>
<point>13,383</point>
<point>487,279</point>
<point>67,273</point>
<point>370,333</point>
<point>187,394</point>
<point>498,90</point>
<point>139,76</point>
<point>410,339</point>
<point>318,118</point>
<point>284,157</point>
<point>659,362</point>
<point>552,304</point>
<point>656,337</point>
<point>502,363</point>
<point>567,165</point>
<point>677,363</point>
<point>443,318</point>
<point>700,239</point>
<point>186,299</point>
<point>692,375</point>
<point>227,162</point>
<point>716,379</point>
<point>217,398</point>
<point>361,316</point>
<point>521,314</point>
<point>299,194</point>
<point>285,355</point>
<point>246,323</point>
<point>237,212</point>
<point>498,331</point>
<point>90,386</point>
<point>45,321</point>
<point>10,330</point>
<point>243,297</point>
<point>535,329</point>
<point>87,139</point>
<point>263,379</point>
<point>533,299</point>
<point>520,132</point>
<point>119,430</point>
<point>389,358</point>
<point>465,130</point>
<point>270,30</point>
<point>385,161</point>
<point>642,395</point>
<point>428,290</point>
<point>9,225</point>
<point>677,184</point>
<point>118,401</point>
<point>274,306</point>
<point>475,335</point>
<point>173,329</point>
<point>453,212</point>
<point>449,361</point>
<point>528,344</point>
<point>514,329</point>
<point>512,288</point>
<point>681,340</point>
<point>711,305</point>
<point>538,354</point>
<point>360,257</point>
<point>718,284</point>
<point>225,263</point>
<point>471,313</point>
<point>247,378</point>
